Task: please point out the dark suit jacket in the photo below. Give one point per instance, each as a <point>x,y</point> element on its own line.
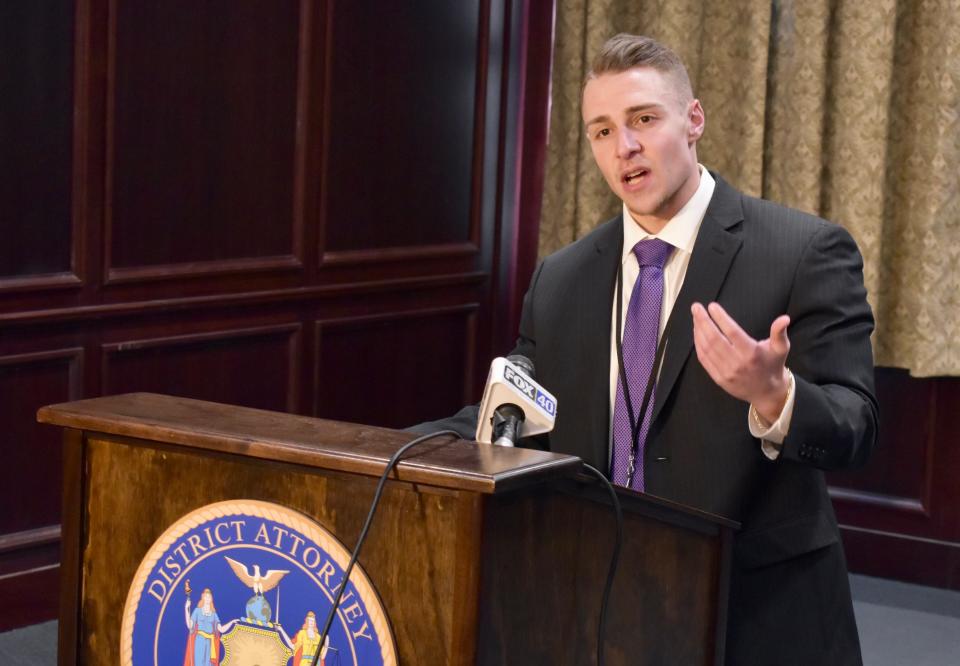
<point>790,600</point>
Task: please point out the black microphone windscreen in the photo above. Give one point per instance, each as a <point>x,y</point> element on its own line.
<point>524,364</point>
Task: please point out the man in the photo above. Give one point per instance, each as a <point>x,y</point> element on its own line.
<point>766,375</point>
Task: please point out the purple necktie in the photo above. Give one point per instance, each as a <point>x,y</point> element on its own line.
<point>640,332</point>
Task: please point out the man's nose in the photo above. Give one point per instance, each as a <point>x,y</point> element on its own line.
<point>627,143</point>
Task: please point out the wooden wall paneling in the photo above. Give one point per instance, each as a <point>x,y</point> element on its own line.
<point>36,65</point>
<point>899,514</point>
<point>201,138</point>
<point>395,369</point>
<point>31,490</point>
<point>204,148</point>
<point>402,124</point>
<point>254,367</point>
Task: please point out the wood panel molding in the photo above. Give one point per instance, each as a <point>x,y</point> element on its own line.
<point>237,299</point>
<point>112,274</point>
<point>34,594</point>
<point>908,505</point>
<point>41,282</point>
<point>398,315</point>
<point>412,253</point>
<point>200,269</point>
<point>74,356</point>
<point>422,376</point>
<point>335,206</point>
<point>291,330</point>
<point>40,536</point>
<point>890,554</point>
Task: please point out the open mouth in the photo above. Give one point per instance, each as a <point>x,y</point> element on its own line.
<point>634,176</point>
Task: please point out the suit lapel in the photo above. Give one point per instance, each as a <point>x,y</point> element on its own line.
<point>595,300</point>
<point>716,245</point>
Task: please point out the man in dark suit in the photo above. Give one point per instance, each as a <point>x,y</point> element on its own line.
<point>744,415</point>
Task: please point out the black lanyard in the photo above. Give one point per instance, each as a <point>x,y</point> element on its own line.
<point>651,380</point>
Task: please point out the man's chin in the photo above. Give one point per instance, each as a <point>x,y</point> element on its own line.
<point>643,206</point>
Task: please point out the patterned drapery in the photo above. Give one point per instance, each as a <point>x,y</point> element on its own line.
<point>842,108</point>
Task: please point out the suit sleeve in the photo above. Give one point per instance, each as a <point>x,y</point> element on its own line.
<point>834,423</point>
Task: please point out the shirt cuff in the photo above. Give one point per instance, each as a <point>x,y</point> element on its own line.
<point>771,435</point>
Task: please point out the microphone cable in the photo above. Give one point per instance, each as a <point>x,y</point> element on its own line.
<point>614,559</point>
<point>366,528</point>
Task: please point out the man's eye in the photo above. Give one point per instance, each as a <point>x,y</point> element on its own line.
<point>602,133</point>
<point>644,119</point>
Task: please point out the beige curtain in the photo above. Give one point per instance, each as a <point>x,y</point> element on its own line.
<point>843,108</point>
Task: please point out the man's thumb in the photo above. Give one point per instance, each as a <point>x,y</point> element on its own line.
<point>779,340</point>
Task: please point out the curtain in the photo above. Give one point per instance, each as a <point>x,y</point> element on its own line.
<point>842,108</point>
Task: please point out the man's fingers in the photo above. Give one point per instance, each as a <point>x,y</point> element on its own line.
<point>707,326</point>
<point>705,351</point>
<point>713,349</point>
<point>730,328</point>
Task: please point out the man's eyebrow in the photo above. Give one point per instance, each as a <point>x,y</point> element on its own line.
<point>643,107</point>
<point>598,119</point>
<point>627,112</point>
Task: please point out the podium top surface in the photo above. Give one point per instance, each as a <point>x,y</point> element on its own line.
<point>446,462</point>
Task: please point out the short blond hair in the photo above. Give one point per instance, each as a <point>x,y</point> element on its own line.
<point>624,51</point>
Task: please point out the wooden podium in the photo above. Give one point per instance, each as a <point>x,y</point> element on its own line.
<point>480,554</point>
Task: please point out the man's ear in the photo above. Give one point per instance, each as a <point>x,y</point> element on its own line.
<point>696,121</point>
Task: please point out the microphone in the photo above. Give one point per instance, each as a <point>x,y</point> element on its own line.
<point>513,404</point>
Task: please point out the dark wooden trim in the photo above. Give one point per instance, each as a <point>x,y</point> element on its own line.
<point>480,124</point>
<point>323,110</point>
<point>898,535</point>
<point>398,314</point>
<point>38,282</point>
<point>33,357</point>
<point>877,500</point>
<point>41,536</point>
<point>508,138</point>
<point>472,392</point>
<point>110,121</point>
<point>536,69</point>
<point>302,128</point>
<point>398,254</point>
<point>191,338</point>
<point>71,546</point>
<point>239,299</point>
<point>82,113</point>
<point>88,140</point>
<point>724,571</point>
<point>202,269</point>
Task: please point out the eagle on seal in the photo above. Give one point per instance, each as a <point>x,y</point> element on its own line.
<point>259,584</point>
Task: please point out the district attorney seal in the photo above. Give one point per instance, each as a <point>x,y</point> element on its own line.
<point>246,582</point>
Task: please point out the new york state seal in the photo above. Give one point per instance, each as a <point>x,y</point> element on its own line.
<point>244,583</point>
